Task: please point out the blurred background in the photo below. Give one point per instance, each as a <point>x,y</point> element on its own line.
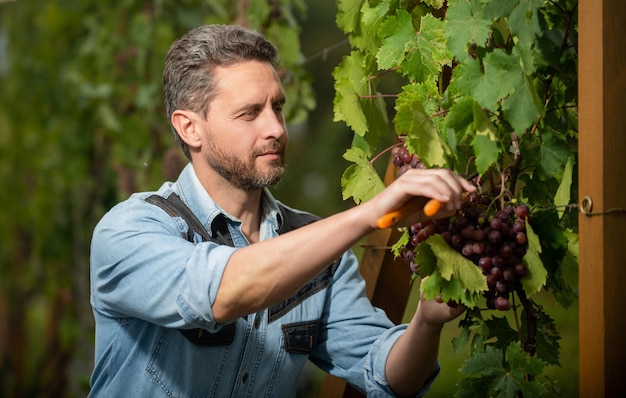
<point>82,127</point>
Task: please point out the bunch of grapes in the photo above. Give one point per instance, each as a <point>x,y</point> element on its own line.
<point>402,159</point>
<point>493,239</point>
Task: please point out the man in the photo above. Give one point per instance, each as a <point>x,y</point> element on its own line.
<point>240,311</point>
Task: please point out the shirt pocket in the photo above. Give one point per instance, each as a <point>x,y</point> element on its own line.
<point>185,370</point>
<point>301,337</point>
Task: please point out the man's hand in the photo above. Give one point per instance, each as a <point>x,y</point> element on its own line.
<point>414,188</point>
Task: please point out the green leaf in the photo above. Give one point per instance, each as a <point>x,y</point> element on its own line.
<point>400,244</point>
<point>413,122</point>
<point>523,107</point>
<point>555,154</point>
<point>566,276</point>
<point>456,278</point>
<point>536,277</point>
<point>420,55</point>
<point>465,25</point>
<point>503,377</point>
<point>348,15</point>
<point>498,9</point>
<point>453,264</point>
<point>500,328</point>
<point>360,180</point>
<point>488,363</point>
<point>460,342</point>
<point>373,17</point>
<point>498,77</point>
<point>434,284</point>
<point>356,101</point>
<point>461,114</point>
<point>524,22</point>
<point>520,364</point>
<point>563,196</point>
<point>485,143</point>
<point>428,53</point>
<point>398,33</point>
<point>426,260</point>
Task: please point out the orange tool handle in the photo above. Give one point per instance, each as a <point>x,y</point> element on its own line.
<point>386,221</point>
<point>430,209</point>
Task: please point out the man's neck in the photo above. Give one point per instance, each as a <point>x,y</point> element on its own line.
<point>241,204</point>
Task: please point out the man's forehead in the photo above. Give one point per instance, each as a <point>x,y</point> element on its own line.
<point>245,81</point>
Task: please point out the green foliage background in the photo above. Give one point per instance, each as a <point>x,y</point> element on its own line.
<point>82,126</point>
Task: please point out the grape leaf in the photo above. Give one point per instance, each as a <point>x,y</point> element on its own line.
<point>520,365</point>
<point>348,83</point>
<point>452,264</point>
<point>371,21</point>
<point>523,107</point>
<point>426,260</point>
<point>348,15</point>
<point>421,55</point>
<point>498,77</point>
<point>472,387</point>
<point>500,328</point>
<point>448,290</point>
<point>563,196</point>
<point>412,121</point>
<point>397,247</point>
<point>488,372</point>
<point>460,342</point>
<point>398,35</point>
<point>434,284</point>
<point>465,25</point>
<point>461,114</point>
<point>428,53</point>
<point>554,155</point>
<point>360,180</point>
<point>486,145</point>
<point>488,363</point>
<point>498,9</point>
<point>566,276</point>
<point>355,101</point>
<point>524,22</point>
<point>536,277</point>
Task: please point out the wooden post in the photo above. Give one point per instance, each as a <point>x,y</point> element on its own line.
<point>602,164</point>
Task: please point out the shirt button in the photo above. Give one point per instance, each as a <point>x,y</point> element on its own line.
<point>244,379</point>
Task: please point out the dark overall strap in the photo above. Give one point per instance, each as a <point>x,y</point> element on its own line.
<point>175,207</point>
<point>291,220</point>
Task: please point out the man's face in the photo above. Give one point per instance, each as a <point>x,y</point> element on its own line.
<point>246,134</point>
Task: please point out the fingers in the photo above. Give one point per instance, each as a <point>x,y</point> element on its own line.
<point>440,184</point>
<point>418,186</point>
<point>438,312</point>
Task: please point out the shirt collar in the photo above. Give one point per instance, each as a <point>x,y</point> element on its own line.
<point>191,191</point>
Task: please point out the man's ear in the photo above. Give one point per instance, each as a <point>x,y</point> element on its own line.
<point>185,123</point>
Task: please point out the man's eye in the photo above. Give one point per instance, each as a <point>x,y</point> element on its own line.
<point>250,113</point>
<point>278,107</point>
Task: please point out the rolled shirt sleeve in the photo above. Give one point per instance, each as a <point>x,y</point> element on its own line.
<point>141,267</point>
<point>376,384</point>
<point>357,337</point>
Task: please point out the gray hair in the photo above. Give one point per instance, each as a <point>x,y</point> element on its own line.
<point>188,81</point>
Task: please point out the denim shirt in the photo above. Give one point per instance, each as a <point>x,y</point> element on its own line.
<point>148,283</point>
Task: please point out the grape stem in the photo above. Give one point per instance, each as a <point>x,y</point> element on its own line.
<point>531,321</point>
<point>381,153</point>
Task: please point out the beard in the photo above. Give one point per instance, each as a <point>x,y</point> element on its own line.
<point>243,173</point>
